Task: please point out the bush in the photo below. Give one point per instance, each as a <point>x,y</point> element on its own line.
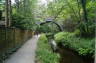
<point>44,52</point>
<point>63,36</point>
<point>50,35</point>
<point>44,28</point>
<point>22,22</point>
<point>83,46</point>
<point>87,29</point>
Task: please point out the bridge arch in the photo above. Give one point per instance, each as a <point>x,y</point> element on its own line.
<point>60,28</point>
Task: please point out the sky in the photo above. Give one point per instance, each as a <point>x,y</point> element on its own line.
<point>43,2</point>
<point>40,1</point>
<point>13,1</point>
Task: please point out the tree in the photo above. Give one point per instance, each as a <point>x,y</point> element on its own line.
<point>23,14</point>
<point>83,3</point>
<point>7,20</point>
<point>79,13</point>
<point>8,13</point>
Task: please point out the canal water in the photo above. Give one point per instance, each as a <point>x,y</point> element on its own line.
<point>68,56</point>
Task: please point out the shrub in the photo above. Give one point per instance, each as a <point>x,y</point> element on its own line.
<point>77,32</point>
<point>21,22</point>
<point>50,35</point>
<point>87,29</point>
<point>63,36</point>
<point>44,52</point>
<point>83,46</point>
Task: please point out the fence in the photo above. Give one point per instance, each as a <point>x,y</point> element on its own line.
<point>11,39</point>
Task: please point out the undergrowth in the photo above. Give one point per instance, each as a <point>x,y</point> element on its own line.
<point>84,46</point>
<point>44,51</point>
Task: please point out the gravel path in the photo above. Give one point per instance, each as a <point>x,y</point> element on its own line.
<point>26,54</point>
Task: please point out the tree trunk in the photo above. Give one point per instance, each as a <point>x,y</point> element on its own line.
<point>6,17</point>
<point>8,13</point>
<point>79,11</point>
<point>83,2</point>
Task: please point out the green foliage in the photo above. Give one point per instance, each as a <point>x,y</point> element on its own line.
<point>50,35</point>
<point>83,46</point>
<point>23,14</point>
<point>59,37</point>
<point>20,22</point>
<point>44,29</point>
<point>91,7</point>
<point>72,11</point>
<point>87,29</point>
<point>43,38</point>
<point>48,28</point>
<point>44,52</point>
<point>77,32</point>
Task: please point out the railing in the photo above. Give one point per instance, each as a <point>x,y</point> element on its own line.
<point>12,38</point>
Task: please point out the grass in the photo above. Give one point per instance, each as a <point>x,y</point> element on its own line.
<point>44,52</point>
<point>84,46</point>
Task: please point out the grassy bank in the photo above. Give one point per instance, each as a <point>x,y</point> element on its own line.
<point>44,52</point>
<point>84,46</point>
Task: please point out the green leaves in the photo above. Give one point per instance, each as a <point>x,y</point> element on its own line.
<point>23,14</point>
<point>44,52</point>
<point>84,46</point>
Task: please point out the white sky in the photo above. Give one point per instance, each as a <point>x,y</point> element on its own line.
<point>13,1</point>
<point>44,2</point>
<point>40,1</point>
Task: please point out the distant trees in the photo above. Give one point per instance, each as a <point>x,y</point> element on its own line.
<point>19,14</point>
<point>71,14</point>
<point>74,14</point>
<point>23,14</point>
